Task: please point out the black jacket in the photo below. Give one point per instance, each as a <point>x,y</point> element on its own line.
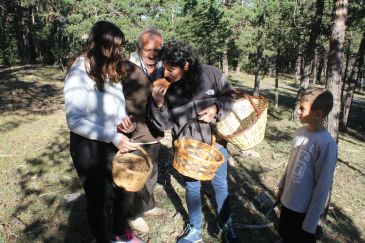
<point>179,109</point>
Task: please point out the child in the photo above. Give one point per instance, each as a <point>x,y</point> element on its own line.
<point>305,185</point>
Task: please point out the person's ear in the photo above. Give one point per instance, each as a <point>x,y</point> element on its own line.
<point>319,114</point>
<point>186,66</point>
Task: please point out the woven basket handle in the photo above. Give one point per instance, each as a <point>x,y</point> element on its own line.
<point>144,153</point>
<point>187,124</point>
<point>238,92</point>
<point>253,104</point>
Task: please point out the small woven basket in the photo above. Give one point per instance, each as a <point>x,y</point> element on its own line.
<point>245,125</point>
<point>131,170</point>
<point>196,159</point>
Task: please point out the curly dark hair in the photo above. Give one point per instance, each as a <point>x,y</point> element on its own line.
<point>177,54</point>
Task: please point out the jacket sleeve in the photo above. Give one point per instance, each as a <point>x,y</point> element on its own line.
<point>225,98</point>
<point>323,171</point>
<point>160,118</point>
<point>76,93</point>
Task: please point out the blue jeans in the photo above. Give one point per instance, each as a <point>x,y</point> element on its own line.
<point>220,185</point>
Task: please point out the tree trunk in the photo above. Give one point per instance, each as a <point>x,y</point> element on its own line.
<point>334,64</point>
<point>314,69</point>
<point>225,61</point>
<point>320,67</point>
<point>259,52</point>
<point>238,67</point>
<point>298,67</point>
<point>359,62</point>
<point>310,48</point>
<point>256,90</point>
<point>277,82</point>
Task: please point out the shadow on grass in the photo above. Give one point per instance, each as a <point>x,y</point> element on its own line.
<point>44,181</point>
<point>342,225</point>
<point>25,98</point>
<point>165,172</point>
<point>243,187</point>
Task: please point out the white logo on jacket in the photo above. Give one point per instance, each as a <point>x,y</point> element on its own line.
<point>210,92</point>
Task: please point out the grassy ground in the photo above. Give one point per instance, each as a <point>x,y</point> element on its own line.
<point>41,199</point>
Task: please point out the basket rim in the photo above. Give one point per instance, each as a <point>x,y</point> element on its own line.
<point>132,155</point>
<point>239,131</point>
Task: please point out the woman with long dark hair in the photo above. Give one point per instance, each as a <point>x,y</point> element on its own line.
<point>202,92</point>
<point>95,106</point>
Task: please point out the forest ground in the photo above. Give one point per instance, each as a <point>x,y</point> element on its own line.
<point>41,199</point>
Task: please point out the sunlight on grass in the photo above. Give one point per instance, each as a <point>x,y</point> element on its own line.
<point>36,172</point>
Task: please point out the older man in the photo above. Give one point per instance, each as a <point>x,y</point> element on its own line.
<point>149,43</point>
<point>144,70</point>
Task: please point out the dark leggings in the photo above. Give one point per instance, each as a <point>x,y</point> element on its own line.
<point>290,227</point>
<point>93,162</point>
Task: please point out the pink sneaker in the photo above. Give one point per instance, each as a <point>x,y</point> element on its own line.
<point>128,237</point>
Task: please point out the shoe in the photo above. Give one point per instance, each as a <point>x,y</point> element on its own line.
<point>229,233</point>
<point>139,224</point>
<point>190,235</point>
<point>128,237</point>
<point>155,212</point>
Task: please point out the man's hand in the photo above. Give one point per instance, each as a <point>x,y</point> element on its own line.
<point>125,145</point>
<point>127,125</point>
<point>207,115</point>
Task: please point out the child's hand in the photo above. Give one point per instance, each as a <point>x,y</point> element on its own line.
<point>207,115</point>
<point>278,194</point>
<point>127,125</point>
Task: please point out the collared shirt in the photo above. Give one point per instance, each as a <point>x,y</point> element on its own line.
<point>136,59</point>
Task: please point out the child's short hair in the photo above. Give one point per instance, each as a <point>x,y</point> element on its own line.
<point>320,99</point>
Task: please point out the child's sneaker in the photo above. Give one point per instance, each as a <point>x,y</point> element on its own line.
<point>190,235</point>
<point>128,237</point>
<point>229,233</point>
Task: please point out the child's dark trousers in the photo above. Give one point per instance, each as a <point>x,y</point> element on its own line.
<point>290,227</point>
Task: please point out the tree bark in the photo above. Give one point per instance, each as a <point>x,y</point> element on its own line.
<point>310,48</point>
<point>321,63</point>
<point>334,64</point>
<point>277,82</point>
<point>314,69</point>
<point>298,67</point>
<point>359,62</point>
<point>238,67</point>
<point>225,61</point>
<point>256,90</point>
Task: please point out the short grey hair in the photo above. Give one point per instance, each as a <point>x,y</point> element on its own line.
<point>150,29</point>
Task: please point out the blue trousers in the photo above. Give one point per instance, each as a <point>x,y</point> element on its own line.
<point>220,185</point>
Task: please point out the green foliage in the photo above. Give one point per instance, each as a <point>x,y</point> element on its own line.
<point>52,31</point>
<point>205,29</point>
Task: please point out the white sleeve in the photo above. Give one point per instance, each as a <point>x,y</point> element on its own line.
<point>76,92</point>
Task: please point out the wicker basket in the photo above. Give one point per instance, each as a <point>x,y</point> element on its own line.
<point>196,159</point>
<point>131,170</point>
<point>245,126</point>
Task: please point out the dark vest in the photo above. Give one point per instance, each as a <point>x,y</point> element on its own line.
<point>137,89</point>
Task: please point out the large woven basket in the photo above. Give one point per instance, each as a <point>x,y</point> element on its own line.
<point>196,159</point>
<point>131,170</point>
<point>245,125</point>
